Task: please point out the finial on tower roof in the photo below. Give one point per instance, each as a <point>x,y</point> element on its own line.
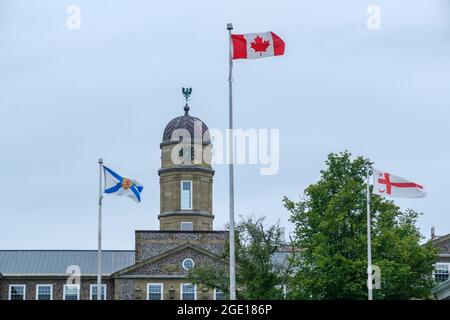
<point>187,94</point>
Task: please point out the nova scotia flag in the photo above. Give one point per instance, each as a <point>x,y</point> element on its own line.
<point>115,184</point>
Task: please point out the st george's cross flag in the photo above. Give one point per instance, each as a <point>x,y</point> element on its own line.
<point>256,45</point>
<point>386,184</point>
<point>121,186</point>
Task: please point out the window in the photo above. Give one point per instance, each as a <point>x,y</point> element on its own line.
<point>71,292</point>
<point>44,292</point>
<point>188,291</point>
<point>155,291</point>
<point>93,292</point>
<point>188,264</point>
<point>218,295</point>
<point>186,226</point>
<point>441,272</point>
<point>186,195</point>
<point>192,154</point>
<point>16,292</point>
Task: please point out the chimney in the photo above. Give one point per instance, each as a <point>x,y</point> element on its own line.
<point>433,234</point>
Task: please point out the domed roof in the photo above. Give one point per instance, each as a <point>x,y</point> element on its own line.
<point>193,125</point>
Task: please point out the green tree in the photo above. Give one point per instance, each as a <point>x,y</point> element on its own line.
<point>330,229</point>
<point>259,275</point>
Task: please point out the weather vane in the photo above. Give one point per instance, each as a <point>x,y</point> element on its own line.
<point>187,94</point>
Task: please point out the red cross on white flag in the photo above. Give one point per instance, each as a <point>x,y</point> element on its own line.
<point>386,184</point>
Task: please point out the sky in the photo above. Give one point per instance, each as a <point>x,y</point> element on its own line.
<point>68,97</point>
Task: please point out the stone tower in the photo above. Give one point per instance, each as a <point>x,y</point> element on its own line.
<point>186,175</point>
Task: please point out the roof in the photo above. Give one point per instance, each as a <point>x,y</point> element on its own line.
<point>56,262</point>
<point>194,126</point>
<point>442,290</point>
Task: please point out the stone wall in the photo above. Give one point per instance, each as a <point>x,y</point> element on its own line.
<point>153,243</point>
<point>170,190</point>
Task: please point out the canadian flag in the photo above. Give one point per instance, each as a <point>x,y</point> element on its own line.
<point>256,45</point>
<point>386,184</point>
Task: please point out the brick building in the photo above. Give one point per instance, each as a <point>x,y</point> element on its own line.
<point>442,270</point>
<point>158,266</point>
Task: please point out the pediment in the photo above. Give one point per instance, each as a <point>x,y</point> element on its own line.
<point>169,263</point>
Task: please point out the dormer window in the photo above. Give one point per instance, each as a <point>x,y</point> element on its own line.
<point>186,195</point>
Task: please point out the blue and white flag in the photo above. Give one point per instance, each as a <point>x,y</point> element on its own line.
<point>121,186</point>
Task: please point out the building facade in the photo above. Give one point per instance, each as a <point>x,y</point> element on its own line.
<point>158,266</point>
<point>442,268</point>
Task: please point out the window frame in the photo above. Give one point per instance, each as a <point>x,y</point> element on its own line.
<point>181,290</point>
<point>184,260</point>
<point>44,285</point>
<point>160,284</point>
<point>91,290</point>
<point>78,291</point>
<point>187,222</point>
<point>215,294</point>
<point>447,264</point>
<point>24,286</point>
<point>190,194</point>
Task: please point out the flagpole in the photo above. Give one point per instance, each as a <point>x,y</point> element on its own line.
<point>99,253</point>
<point>369,236</point>
<point>231,170</point>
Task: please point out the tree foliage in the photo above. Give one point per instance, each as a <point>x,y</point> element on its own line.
<point>258,274</point>
<point>330,229</point>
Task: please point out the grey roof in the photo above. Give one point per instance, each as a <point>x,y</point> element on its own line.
<point>55,262</point>
<point>187,122</point>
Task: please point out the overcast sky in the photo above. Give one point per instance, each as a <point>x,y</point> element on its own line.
<point>68,97</point>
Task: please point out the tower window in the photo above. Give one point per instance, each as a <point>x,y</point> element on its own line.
<point>186,195</point>
<point>186,226</point>
<point>192,154</point>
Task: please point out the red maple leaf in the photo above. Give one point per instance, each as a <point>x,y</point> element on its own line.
<point>258,45</point>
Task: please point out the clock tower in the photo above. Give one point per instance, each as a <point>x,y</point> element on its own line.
<point>186,175</point>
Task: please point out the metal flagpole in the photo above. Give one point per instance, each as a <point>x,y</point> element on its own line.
<point>231,171</point>
<point>369,236</point>
<point>99,253</point>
